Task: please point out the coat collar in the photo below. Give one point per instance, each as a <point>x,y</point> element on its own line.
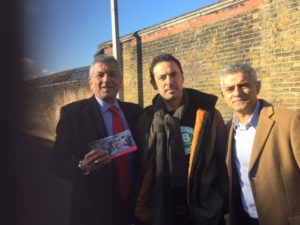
<point>93,111</point>
<point>264,127</point>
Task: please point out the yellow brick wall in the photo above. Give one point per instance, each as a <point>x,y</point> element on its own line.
<point>261,32</point>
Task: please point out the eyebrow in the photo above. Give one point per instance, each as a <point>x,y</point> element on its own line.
<point>238,85</point>
<point>108,72</point>
<point>165,74</point>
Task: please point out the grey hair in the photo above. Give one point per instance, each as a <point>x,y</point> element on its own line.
<point>244,68</point>
<point>103,59</point>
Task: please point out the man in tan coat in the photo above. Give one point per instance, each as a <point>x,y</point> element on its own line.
<point>263,154</point>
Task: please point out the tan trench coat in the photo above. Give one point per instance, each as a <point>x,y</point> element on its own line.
<point>274,169</point>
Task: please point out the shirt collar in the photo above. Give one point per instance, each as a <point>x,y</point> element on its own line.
<point>105,106</point>
<point>252,121</point>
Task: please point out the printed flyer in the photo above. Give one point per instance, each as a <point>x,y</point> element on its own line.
<point>116,145</point>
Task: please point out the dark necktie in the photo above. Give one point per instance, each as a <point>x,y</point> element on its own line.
<point>122,162</point>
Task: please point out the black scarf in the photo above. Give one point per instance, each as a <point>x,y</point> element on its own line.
<point>170,160</point>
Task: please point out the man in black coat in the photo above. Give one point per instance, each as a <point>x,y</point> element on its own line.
<point>182,172</point>
<point>95,197</point>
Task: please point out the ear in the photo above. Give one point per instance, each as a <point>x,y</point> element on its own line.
<point>258,86</point>
<point>152,82</point>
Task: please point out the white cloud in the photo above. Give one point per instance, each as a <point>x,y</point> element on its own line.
<point>31,70</point>
<point>47,72</point>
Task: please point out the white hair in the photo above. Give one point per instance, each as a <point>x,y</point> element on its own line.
<point>238,67</point>
<point>103,59</point>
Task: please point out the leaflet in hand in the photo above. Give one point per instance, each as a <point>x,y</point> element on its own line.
<point>116,145</point>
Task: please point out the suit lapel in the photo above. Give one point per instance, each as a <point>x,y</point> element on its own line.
<point>229,149</point>
<point>231,170</point>
<point>93,111</point>
<point>265,124</point>
<point>127,114</point>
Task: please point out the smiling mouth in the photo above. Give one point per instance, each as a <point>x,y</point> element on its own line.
<point>106,87</point>
<point>240,100</point>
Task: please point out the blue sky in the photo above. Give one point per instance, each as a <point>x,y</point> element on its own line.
<point>64,34</point>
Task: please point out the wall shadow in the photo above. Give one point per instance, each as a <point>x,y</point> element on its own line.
<point>139,63</point>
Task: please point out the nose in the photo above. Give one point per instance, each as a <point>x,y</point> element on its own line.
<point>105,77</point>
<point>236,91</point>
<point>169,80</point>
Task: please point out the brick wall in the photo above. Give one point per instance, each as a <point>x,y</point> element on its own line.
<point>41,105</point>
<point>265,33</point>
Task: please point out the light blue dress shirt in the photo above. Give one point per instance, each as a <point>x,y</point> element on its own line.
<point>243,142</point>
<point>107,115</point>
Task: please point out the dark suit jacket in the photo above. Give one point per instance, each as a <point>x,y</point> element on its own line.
<point>274,169</point>
<point>94,198</point>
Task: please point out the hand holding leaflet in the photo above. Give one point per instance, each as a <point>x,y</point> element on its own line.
<point>116,145</point>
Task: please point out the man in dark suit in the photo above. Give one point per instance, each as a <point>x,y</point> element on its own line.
<point>263,154</point>
<point>96,197</point>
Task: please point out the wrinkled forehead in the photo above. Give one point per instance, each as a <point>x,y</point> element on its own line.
<point>237,78</point>
<point>165,67</point>
<point>241,75</point>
